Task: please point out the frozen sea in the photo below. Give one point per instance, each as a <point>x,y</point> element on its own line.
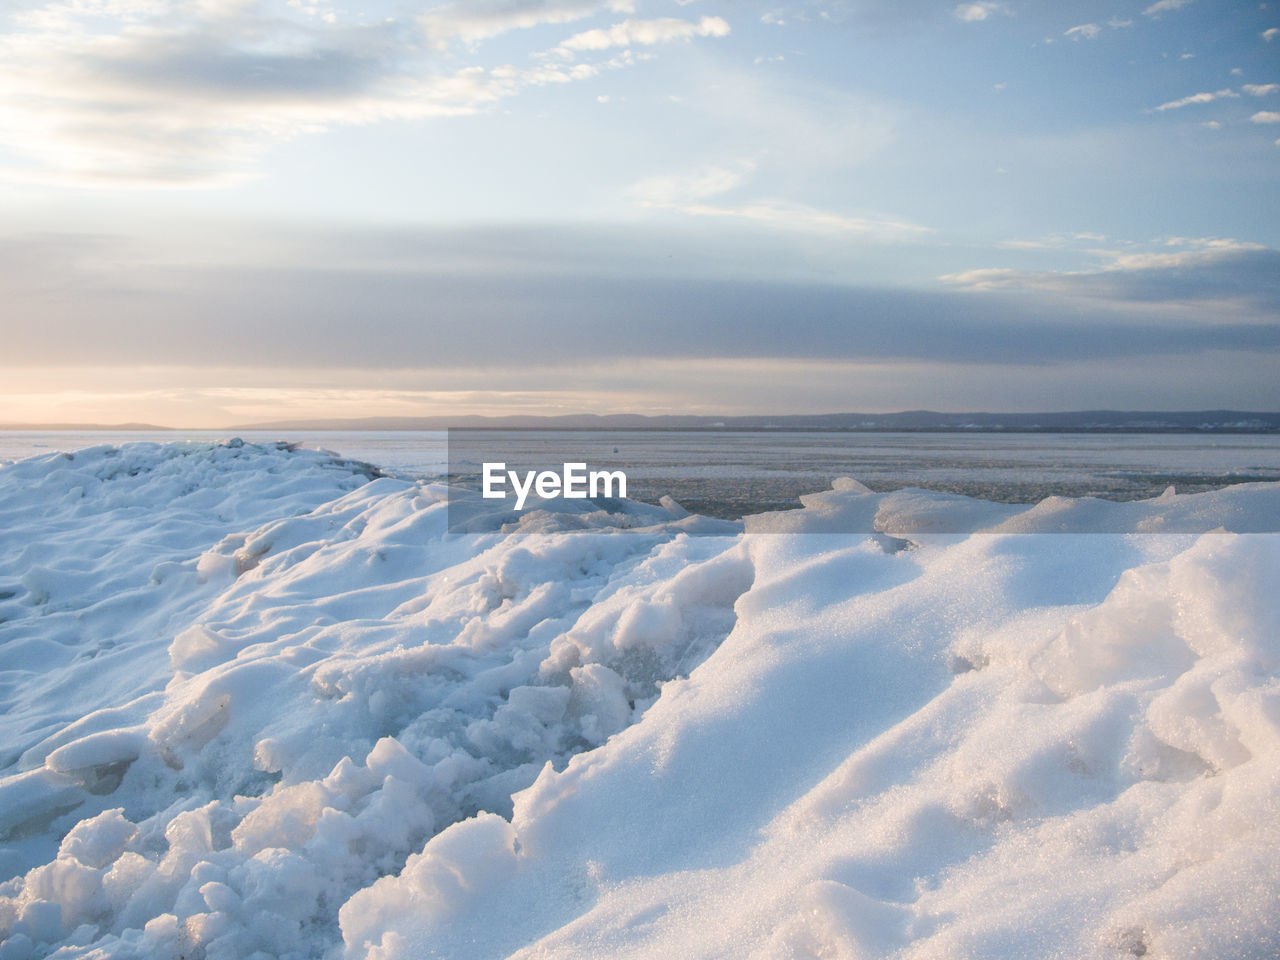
<point>731,474</point>
<point>259,701</point>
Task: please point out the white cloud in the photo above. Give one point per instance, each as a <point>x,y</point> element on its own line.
<point>165,92</point>
<point>804,218</point>
<point>1056,241</point>
<point>1192,252</point>
<point>1207,284</point>
<point>975,12</point>
<point>1260,89</point>
<point>1266,116</point>
<point>159,94</point>
<point>1088,31</point>
<point>1269,35</point>
<point>708,181</point>
<point>1199,98</point>
<point>1116,23</point>
<point>1212,125</point>
<point>644,33</point>
<point>1198,251</point>
<point>477,20</point>
<point>1164,6</point>
<point>689,194</point>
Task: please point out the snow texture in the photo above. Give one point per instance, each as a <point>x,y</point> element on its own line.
<point>257,702</point>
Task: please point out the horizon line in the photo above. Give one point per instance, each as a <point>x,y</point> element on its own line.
<point>1267,421</point>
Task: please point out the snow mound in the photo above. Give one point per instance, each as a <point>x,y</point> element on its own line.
<point>309,701</point>
<point>332,728</point>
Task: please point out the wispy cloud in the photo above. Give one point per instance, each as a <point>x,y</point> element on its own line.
<point>1266,116</point>
<point>690,194</point>
<point>1169,253</point>
<point>477,20</point>
<point>1272,34</point>
<point>977,12</point>
<point>1086,31</point>
<point>807,219</point>
<point>1199,98</point>
<point>546,303</point>
<point>1164,6</point>
<point>1207,278</point>
<point>162,92</point>
<point>643,33</point>
<point>1055,241</point>
<point>708,181</point>
<point>1260,89</point>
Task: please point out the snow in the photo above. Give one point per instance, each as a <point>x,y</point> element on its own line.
<point>260,702</point>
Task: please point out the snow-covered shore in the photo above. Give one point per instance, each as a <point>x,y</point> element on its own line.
<point>256,701</point>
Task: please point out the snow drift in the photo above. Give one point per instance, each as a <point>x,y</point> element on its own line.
<point>256,702</point>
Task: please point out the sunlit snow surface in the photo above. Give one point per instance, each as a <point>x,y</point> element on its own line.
<point>256,701</point>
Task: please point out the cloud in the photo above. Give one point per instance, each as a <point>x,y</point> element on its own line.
<point>1052,242</point>
<point>1260,89</point>
<point>708,181</point>
<point>1272,34</point>
<point>688,194</point>
<point>302,318</point>
<point>517,297</point>
<point>158,96</point>
<point>976,12</point>
<point>1164,6</point>
<point>804,218</point>
<point>1091,31</point>
<point>166,92</point>
<point>1214,279</point>
<point>1088,31</point>
<point>1199,98</point>
<point>477,20</point>
<point>643,33</point>
<point>1266,116</point>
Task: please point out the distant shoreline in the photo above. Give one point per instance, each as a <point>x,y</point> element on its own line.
<point>914,421</point>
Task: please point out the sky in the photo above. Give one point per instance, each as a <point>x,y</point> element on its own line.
<point>220,212</point>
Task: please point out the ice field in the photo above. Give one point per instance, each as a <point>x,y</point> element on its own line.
<point>258,702</point>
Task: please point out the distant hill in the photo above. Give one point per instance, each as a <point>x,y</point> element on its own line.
<point>908,421</point>
<point>1081,421</point>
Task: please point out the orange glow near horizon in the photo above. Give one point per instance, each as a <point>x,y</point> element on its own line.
<point>219,398</point>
